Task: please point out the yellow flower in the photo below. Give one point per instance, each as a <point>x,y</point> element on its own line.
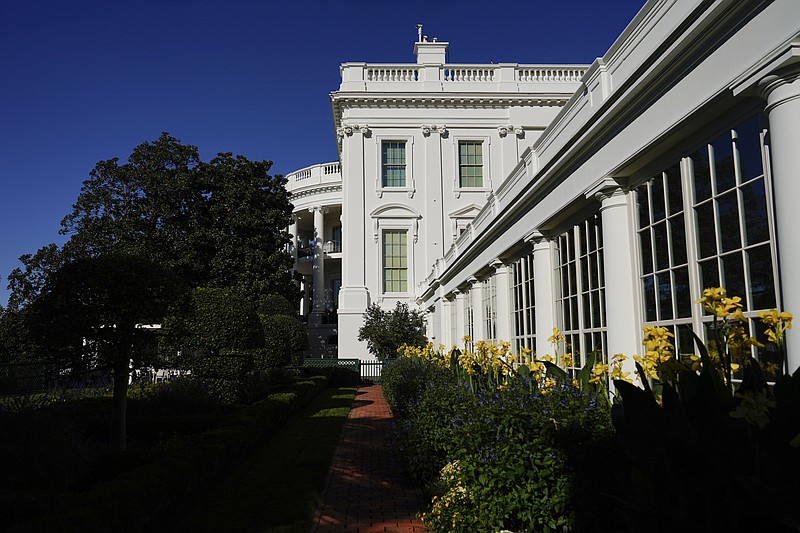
<point>556,337</point>
<point>599,371</point>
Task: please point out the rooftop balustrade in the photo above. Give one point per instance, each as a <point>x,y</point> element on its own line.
<point>504,77</point>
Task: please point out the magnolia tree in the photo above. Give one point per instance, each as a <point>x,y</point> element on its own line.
<point>386,331</point>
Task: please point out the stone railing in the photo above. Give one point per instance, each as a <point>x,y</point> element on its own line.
<point>505,77</point>
<point>322,174</point>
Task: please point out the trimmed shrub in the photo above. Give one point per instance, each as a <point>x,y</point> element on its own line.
<point>217,319</point>
<point>275,304</point>
<point>285,340</point>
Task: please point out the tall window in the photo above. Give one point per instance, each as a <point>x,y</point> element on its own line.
<point>581,302</point>
<point>395,260</point>
<point>393,163</point>
<point>470,163</point>
<point>524,304</point>
<point>708,226</point>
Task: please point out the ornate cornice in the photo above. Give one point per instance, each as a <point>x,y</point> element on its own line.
<point>349,129</point>
<point>316,190</point>
<point>506,129</point>
<point>427,130</point>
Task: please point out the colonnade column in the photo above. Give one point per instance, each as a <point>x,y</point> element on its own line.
<point>461,323</point>
<point>476,301</point>
<point>319,265</point>
<point>782,93</point>
<point>621,278</point>
<point>293,233</point>
<point>504,311</point>
<point>543,291</point>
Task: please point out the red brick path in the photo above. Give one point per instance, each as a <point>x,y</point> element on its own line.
<point>366,491</point>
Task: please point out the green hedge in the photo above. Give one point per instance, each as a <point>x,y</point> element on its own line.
<point>145,499</point>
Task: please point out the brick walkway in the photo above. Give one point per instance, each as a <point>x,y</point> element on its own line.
<point>366,491</point>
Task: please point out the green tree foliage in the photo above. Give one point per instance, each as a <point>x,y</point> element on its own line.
<point>275,304</point>
<point>89,311</point>
<point>285,340</point>
<point>250,211</point>
<point>216,319</point>
<point>386,331</point>
<point>217,224</point>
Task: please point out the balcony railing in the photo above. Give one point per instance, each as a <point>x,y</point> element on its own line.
<point>505,77</point>
<point>332,247</point>
<point>314,175</point>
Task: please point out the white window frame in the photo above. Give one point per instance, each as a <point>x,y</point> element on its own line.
<point>486,142</point>
<point>410,187</point>
<point>407,225</point>
<point>699,320</point>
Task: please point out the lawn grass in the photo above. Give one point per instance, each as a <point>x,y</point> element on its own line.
<point>277,489</point>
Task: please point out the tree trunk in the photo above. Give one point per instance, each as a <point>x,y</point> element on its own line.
<point>119,408</point>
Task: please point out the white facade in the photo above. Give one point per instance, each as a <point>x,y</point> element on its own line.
<point>610,196</point>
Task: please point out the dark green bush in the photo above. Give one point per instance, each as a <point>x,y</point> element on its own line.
<point>43,448</point>
<point>168,482</point>
<point>503,458</point>
<point>285,340</point>
<point>275,304</point>
<point>386,331</point>
<point>216,319</point>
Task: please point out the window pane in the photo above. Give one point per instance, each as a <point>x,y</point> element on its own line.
<point>709,274</point>
<point>702,178</point>
<point>395,261</point>
<point>648,290</point>
<point>470,163</point>
<point>677,229</point>
<point>674,189</point>
<point>723,163</point>
<point>393,163</point>
<point>762,284</point>
<point>596,313</point>
<point>587,309</point>
<point>664,296</point>
<point>748,144</point>
<point>728,209</point>
<point>643,205</point>
<point>662,249</point>
<point>683,297</point>
<point>733,272</point>
<point>647,257</point>
<point>706,232</point>
<point>657,194</point>
<point>754,199</point>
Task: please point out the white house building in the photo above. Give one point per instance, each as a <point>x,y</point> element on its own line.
<point>508,199</point>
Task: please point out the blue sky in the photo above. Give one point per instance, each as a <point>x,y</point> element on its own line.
<point>82,81</point>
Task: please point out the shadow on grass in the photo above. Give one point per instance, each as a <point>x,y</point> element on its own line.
<point>277,488</point>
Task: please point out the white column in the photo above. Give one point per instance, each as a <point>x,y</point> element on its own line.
<point>544,292</point>
<point>461,323</point>
<point>622,300</point>
<point>319,265</point>
<point>476,300</point>
<point>353,296</point>
<point>447,324</point>
<point>502,283</point>
<point>434,210</point>
<point>293,233</point>
<point>782,92</point>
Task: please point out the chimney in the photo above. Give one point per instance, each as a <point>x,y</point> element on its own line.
<point>429,53</point>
